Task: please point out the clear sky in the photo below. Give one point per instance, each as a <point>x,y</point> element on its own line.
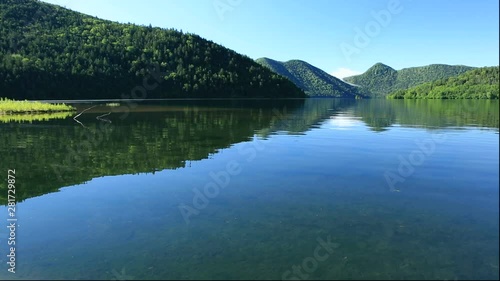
<point>339,36</point>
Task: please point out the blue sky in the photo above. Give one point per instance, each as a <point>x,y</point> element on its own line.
<point>338,36</point>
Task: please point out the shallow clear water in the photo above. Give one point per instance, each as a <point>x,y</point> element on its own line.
<point>315,189</point>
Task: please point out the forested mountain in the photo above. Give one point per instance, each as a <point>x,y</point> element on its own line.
<point>380,79</point>
<point>314,81</point>
<point>481,83</point>
<point>49,52</point>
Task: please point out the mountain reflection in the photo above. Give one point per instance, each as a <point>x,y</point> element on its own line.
<point>48,155</point>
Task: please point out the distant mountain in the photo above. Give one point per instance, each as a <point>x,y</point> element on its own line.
<point>314,81</point>
<point>380,79</point>
<point>480,83</point>
<point>49,52</point>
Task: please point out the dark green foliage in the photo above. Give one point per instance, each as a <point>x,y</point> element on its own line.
<point>410,77</point>
<point>314,81</point>
<point>481,83</point>
<point>380,79</point>
<point>48,52</point>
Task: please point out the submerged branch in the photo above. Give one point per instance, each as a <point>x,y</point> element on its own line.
<point>84,111</point>
<point>80,123</point>
<point>102,119</point>
<point>74,118</point>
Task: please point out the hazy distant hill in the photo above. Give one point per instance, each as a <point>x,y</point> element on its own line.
<point>49,52</point>
<point>480,83</point>
<point>380,79</point>
<point>314,81</point>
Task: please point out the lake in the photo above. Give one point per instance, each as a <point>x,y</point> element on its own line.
<point>235,189</point>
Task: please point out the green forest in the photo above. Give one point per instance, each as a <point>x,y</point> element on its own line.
<point>481,83</point>
<point>314,81</point>
<point>381,80</point>
<point>49,52</point>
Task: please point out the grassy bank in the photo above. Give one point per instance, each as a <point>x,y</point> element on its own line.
<point>8,106</point>
<point>30,118</point>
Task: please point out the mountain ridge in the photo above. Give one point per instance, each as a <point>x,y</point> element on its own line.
<point>314,81</point>
<point>479,83</point>
<point>70,55</point>
<point>381,80</point>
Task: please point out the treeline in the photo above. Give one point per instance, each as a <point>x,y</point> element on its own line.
<point>48,52</point>
<point>377,80</point>
<point>481,83</point>
<point>381,80</point>
<point>314,81</point>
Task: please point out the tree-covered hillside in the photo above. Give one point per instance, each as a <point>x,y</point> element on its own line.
<point>380,79</point>
<point>314,81</point>
<point>377,80</point>
<point>49,52</point>
<point>481,83</point>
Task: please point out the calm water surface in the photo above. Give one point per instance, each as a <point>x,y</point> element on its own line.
<point>315,189</point>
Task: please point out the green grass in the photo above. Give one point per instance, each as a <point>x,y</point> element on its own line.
<point>12,106</point>
<point>30,118</point>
